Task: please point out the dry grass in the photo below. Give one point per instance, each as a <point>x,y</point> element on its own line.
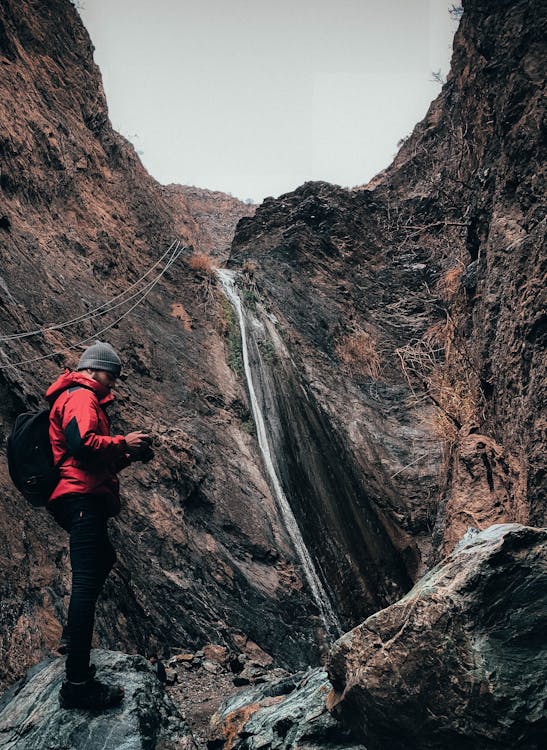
<point>358,350</point>
<point>203,264</point>
<point>449,283</point>
<point>249,267</point>
<point>434,365</point>
<point>204,268</point>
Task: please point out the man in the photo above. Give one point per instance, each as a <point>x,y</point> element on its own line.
<point>87,494</point>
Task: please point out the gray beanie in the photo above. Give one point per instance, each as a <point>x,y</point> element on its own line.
<point>100,356</point>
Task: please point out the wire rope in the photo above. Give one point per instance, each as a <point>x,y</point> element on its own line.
<point>175,255</point>
<point>97,311</point>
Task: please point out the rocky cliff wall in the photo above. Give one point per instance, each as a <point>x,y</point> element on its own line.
<point>201,553</point>
<point>214,213</point>
<point>414,306</point>
<point>410,308</point>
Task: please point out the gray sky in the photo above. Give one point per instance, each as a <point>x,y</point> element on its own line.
<point>254,97</point>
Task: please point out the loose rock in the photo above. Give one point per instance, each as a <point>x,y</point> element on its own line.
<point>283,714</point>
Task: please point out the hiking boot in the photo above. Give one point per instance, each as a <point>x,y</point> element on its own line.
<point>91,695</point>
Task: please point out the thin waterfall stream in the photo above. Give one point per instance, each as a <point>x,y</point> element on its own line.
<point>328,615</point>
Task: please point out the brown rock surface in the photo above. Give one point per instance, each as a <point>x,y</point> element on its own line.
<point>401,351</point>
<point>201,553</point>
<point>215,214</point>
<point>414,307</point>
<point>460,661</point>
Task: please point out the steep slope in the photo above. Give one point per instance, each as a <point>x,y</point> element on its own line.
<point>201,553</point>
<point>414,308</point>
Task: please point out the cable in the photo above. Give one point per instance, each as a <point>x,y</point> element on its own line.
<point>92,313</point>
<point>97,310</point>
<point>152,284</point>
<point>175,255</point>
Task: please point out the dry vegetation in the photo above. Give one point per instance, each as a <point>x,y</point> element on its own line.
<point>358,350</point>
<point>449,283</point>
<point>249,267</point>
<point>202,264</point>
<point>204,268</point>
<point>436,367</point>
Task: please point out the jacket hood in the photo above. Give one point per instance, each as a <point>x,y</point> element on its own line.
<point>69,379</point>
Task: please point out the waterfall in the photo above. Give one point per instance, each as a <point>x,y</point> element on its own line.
<point>328,616</point>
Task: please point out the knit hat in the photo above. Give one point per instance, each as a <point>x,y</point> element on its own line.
<point>100,356</point>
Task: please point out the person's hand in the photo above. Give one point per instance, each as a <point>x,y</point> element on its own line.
<point>136,442</point>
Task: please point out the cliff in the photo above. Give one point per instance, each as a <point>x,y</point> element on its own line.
<point>215,215</point>
<point>414,307</point>
<point>396,338</point>
<point>201,553</point>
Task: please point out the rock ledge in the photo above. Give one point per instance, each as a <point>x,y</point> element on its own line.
<point>31,719</point>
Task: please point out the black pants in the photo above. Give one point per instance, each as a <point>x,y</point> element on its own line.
<point>91,557</point>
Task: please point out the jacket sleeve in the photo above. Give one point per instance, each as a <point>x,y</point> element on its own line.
<point>81,428</point>
<point>122,463</point>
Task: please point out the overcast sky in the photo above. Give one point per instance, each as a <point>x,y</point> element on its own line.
<point>254,97</point>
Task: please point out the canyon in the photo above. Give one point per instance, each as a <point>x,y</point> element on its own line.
<point>394,338</point>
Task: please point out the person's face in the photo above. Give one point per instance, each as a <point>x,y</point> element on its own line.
<point>106,379</point>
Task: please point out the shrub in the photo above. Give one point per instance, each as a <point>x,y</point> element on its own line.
<point>249,267</point>
<point>449,282</point>
<point>203,264</point>
<point>435,363</point>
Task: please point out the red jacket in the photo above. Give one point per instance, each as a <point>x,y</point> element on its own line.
<point>79,431</point>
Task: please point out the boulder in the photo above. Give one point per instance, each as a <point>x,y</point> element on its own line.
<point>284,713</point>
<point>460,661</point>
<point>31,719</point>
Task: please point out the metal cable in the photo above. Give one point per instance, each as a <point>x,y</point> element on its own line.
<point>97,311</point>
<point>175,255</point>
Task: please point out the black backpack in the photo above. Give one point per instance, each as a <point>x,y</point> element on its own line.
<point>30,459</point>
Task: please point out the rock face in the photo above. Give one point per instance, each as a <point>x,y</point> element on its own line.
<point>215,215</point>
<point>201,552</point>
<point>460,661</point>
<point>365,560</point>
<point>31,719</point>
<point>412,316</point>
<point>414,307</point>
<point>284,714</point>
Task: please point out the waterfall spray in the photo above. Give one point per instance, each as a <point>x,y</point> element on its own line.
<point>328,616</point>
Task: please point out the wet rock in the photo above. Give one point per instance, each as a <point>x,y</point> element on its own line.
<point>30,716</point>
<point>451,231</point>
<point>460,661</point>
<point>283,714</point>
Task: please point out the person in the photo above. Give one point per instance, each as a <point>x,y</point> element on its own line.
<point>87,494</point>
